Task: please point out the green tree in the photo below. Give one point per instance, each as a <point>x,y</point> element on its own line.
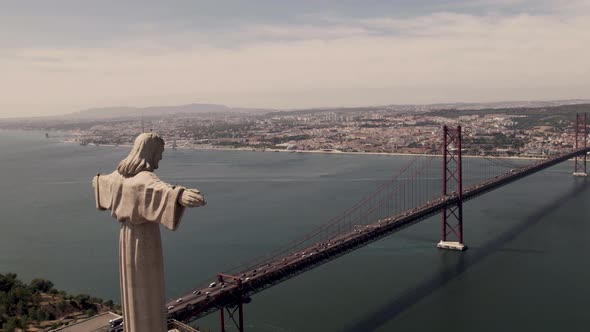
<point>21,307</point>
<point>23,321</point>
<point>41,285</point>
<point>42,314</point>
<point>33,314</point>
<point>10,325</point>
<point>62,305</point>
<point>3,304</point>
<point>84,300</point>
<point>95,300</point>
<point>7,281</point>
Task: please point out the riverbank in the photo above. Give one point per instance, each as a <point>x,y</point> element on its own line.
<point>221,148</point>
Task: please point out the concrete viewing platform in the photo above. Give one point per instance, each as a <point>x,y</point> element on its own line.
<point>98,323</point>
<point>451,245</point>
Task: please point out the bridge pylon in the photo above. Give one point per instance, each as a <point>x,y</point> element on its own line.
<point>452,216</point>
<point>581,142</point>
<point>239,306</point>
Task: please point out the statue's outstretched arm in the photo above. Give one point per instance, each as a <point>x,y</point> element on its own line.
<point>191,198</point>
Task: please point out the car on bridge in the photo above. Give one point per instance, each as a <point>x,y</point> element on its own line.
<point>116,322</point>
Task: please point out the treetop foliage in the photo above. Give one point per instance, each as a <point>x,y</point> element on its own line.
<point>22,304</point>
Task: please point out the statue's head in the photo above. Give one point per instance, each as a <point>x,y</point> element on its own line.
<point>144,156</point>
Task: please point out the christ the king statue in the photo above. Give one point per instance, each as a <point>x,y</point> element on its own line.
<point>141,202</point>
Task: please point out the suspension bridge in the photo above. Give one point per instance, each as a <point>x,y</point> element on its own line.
<point>408,198</point>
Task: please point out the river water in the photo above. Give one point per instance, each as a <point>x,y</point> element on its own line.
<point>524,269</point>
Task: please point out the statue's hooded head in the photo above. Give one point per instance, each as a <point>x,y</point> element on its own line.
<point>144,156</point>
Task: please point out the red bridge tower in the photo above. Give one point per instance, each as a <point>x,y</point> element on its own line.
<point>581,142</point>
<point>452,222</point>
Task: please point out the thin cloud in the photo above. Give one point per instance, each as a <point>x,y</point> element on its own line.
<point>326,61</point>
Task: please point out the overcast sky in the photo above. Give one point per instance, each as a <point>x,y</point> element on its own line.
<point>65,55</point>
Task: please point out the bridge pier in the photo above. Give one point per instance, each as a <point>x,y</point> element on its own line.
<point>222,320</point>
<point>222,278</point>
<point>239,324</point>
<point>452,217</point>
<point>451,245</point>
<point>581,138</point>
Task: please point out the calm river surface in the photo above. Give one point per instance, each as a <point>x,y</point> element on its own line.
<point>526,267</point>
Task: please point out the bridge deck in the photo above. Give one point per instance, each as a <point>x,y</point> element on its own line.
<point>205,300</point>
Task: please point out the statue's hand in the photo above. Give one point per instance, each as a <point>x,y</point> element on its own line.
<point>191,198</point>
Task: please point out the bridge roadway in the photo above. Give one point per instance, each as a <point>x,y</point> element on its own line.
<point>205,300</point>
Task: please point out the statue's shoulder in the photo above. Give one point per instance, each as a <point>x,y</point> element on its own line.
<point>114,174</point>
<point>145,176</point>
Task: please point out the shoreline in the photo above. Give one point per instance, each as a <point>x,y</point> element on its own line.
<point>359,153</point>
<point>213,148</point>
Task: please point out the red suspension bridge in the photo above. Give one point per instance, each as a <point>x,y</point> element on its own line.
<point>408,198</point>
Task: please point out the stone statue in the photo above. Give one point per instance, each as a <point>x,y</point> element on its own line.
<point>141,202</point>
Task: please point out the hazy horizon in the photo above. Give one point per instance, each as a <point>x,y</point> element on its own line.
<point>131,107</point>
<point>65,56</point>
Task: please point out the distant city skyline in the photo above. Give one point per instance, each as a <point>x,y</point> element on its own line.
<point>65,56</point>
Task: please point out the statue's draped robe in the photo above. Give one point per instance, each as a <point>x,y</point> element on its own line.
<point>140,203</point>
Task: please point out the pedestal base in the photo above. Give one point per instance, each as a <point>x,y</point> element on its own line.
<point>452,245</point>
<point>580,174</point>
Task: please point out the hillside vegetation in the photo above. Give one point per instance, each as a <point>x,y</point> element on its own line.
<point>38,306</point>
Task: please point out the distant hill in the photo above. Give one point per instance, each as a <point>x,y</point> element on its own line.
<point>157,111</point>
<point>459,106</point>
<point>506,104</point>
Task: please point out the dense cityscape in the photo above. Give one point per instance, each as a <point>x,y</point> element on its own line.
<point>505,131</point>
